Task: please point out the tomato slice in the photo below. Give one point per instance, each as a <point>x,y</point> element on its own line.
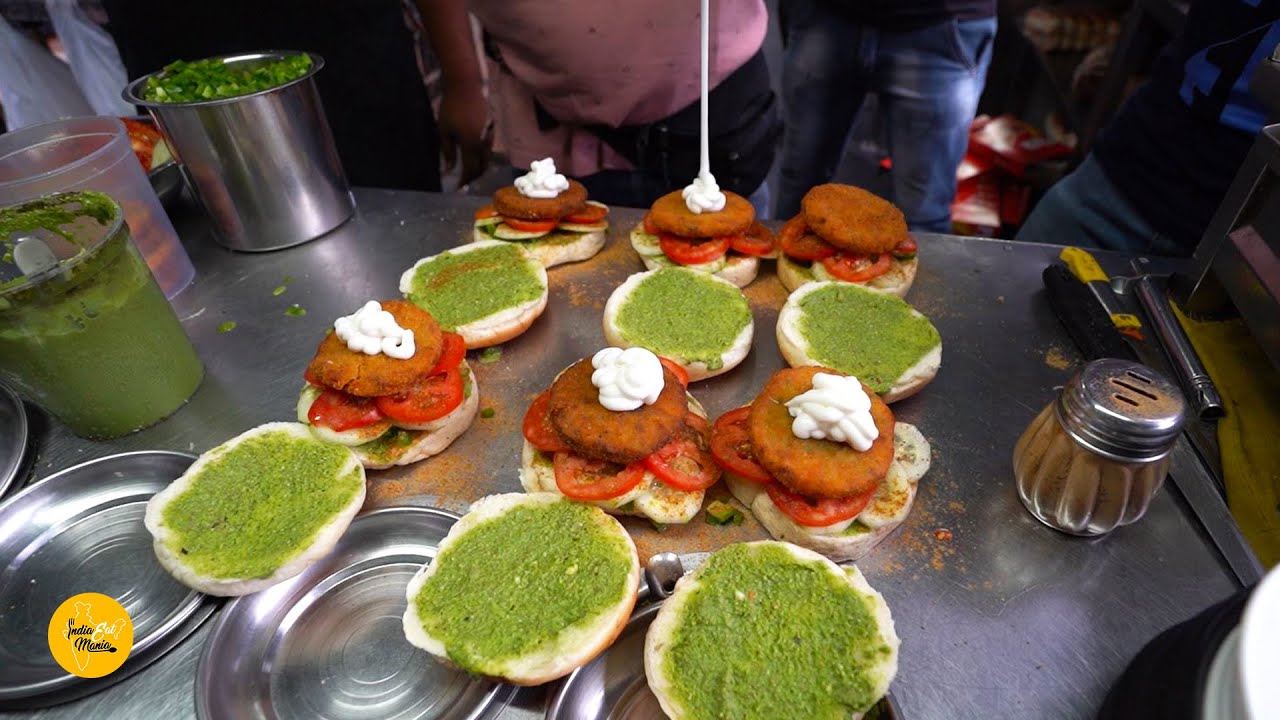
<point>757,241</point>
<point>817,513</point>
<point>582,479</point>
<point>649,227</point>
<point>531,226</point>
<point>681,374</point>
<point>731,447</point>
<point>907,247</point>
<point>588,215</point>
<point>692,252</point>
<point>537,426</point>
<point>339,411</point>
<point>431,398</point>
<point>486,212</point>
<point>857,268</point>
<point>451,354</point>
<point>685,462</point>
<point>796,241</point>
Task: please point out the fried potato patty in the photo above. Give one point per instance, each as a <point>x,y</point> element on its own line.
<point>338,367</point>
<point>853,219</point>
<point>591,430</point>
<point>509,202</point>
<point>815,468</point>
<point>670,214</point>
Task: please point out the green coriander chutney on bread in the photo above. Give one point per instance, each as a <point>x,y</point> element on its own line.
<point>256,510</point>
<point>872,335</point>
<point>525,588</point>
<point>488,292</point>
<point>701,322</point>
<point>769,630</point>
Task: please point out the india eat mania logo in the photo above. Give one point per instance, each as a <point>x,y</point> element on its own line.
<point>90,635</point>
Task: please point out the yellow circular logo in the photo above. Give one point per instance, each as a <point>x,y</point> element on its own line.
<point>90,635</point>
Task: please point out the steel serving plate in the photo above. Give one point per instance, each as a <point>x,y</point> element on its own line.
<point>613,685</point>
<point>330,643</point>
<point>77,531</point>
<point>13,438</point>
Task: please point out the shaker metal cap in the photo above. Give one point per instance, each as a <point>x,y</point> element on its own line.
<point>1122,410</point>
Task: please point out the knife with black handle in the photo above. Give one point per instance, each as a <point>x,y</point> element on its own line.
<point>1086,321</point>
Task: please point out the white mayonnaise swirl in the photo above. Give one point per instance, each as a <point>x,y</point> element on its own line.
<point>835,409</point>
<point>372,330</point>
<point>542,180</point>
<point>703,195</point>
<point>627,378</point>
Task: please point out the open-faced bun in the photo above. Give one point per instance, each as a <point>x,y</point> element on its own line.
<point>701,614</point>
<point>730,357</point>
<point>558,251</point>
<point>573,645</point>
<point>795,349</point>
<point>501,325</point>
<point>307,552</point>
<point>888,507</point>
<point>902,273</point>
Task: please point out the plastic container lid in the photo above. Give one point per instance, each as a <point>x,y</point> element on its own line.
<point>41,238</point>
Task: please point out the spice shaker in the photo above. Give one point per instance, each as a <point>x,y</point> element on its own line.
<point>1093,459</point>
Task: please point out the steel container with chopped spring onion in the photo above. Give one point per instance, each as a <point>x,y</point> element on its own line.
<point>264,164</point>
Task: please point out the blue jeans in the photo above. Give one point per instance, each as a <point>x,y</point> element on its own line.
<point>1085,208</point>
<point>928,82</point>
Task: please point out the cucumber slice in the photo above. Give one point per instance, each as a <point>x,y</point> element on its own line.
<point>584,227</point>
<point>666,505</point>
<point>645,244</point>
<point>489,221</point>
<point>889,503</point>
<point>504,231</point>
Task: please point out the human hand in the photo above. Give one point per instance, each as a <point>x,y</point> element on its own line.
<point>466,134</point>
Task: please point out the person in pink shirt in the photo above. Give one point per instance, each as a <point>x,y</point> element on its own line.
<point>610,92</point>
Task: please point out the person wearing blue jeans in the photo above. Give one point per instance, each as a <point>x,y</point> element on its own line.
<point>1160,169</point>
<point>926,61</point>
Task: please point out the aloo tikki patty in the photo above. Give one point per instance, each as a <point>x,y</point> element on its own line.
<point>595,432</point>
<point>815,468</point>
<point>853,219</point>
<point>510,203</point>
<point>670,214</point>
<point>338,367</point>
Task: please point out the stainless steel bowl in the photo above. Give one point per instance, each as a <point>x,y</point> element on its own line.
<point>264,165</point>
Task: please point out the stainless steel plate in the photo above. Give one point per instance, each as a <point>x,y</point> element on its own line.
<point>613,685</point>
<point>330,643</point>
<point>13,438</point>
<point>78,531</point>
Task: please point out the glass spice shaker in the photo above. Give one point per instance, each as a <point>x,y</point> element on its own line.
<point>1092,460</point>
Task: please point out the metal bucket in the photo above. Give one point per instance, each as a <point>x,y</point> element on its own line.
<point>263,165</point>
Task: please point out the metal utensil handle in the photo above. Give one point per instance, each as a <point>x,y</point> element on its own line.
<point>1201,392</point>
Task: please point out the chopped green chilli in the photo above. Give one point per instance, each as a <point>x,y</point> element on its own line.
<point>279,290</point>
<point>487,413</point>
<point>227,326</point>
<point>213,79</point>
<point>295,310</point>
<point>491,354</point>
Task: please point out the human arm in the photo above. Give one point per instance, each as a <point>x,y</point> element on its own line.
<point>463,116</point>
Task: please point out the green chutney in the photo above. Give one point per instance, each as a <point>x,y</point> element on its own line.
<point>96,342</point>
<point>873,336</point>
<point>259,504</point>
<point>766,635</point>
<point>513,584</point>
<point>461,287</point>
<point>684,313</point>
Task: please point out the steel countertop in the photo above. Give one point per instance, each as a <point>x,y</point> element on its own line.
<point>1000,617</point>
